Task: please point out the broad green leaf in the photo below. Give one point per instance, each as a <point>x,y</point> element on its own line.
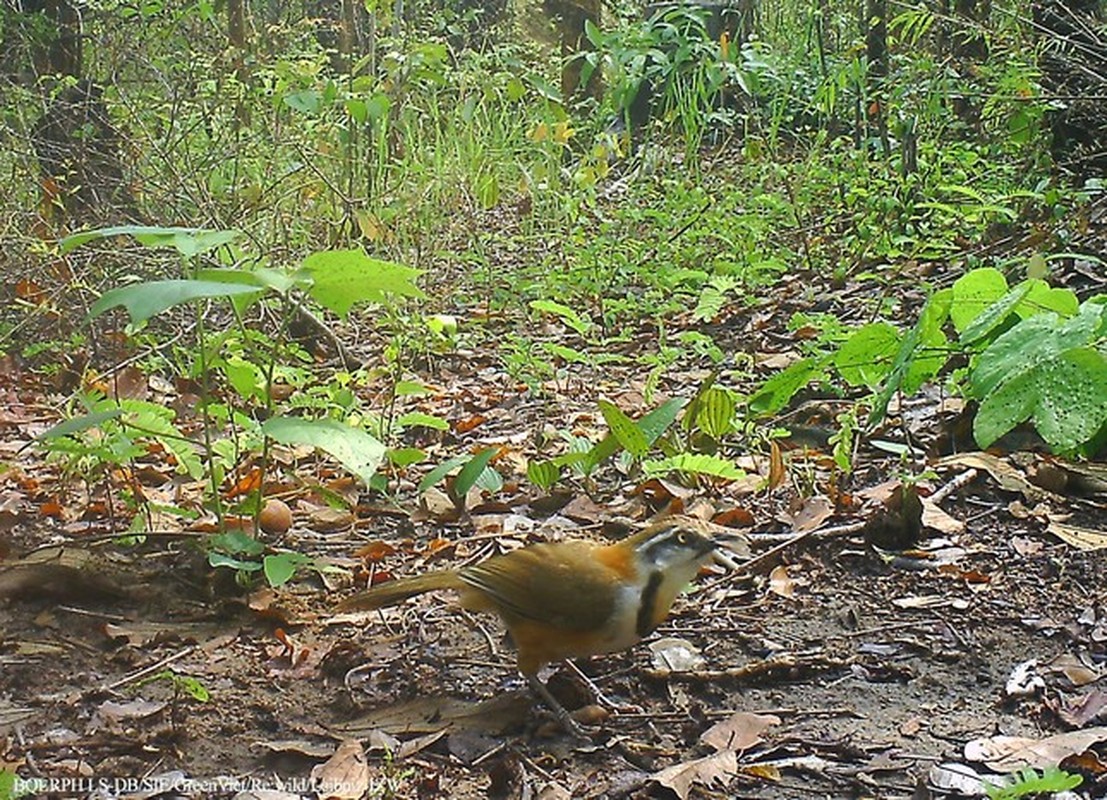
<point>280,568</point>
<point>864,359</point>
<point>625,431</point>
<point>467,478</point>
<point>1072,406</point>
<point>695,464</point>
<point>355,449</point>
<point>908,347</point>
<point>341,278</point>
<point>567,354</point>
<point>1030,342</point>
<point>79,424</point>
<point>261,277</point>
<point>1042,297</point>
<point>221,560</point>
<point>406,456</point>
<point>716,412</point>
<point>655,423</point>
<point>1011,405</point>
<point>995,314</point>
<point>778,390</point>
<point>306,101</point>
<point>973,292</point>
<point>933,350</point>
<point>543,474</point>
<point>413,419</point>
<point>652,426</point>
<point>145,300</point>
<point>411,389</point>
<point>490,480</point>
<point>186,241</point>
<point>441,471</point>
<point>235,542</point>
<point>567,315</point>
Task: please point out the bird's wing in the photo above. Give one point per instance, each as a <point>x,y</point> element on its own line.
<point>561,585</point>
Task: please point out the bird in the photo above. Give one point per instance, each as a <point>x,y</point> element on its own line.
<point>570,599</point>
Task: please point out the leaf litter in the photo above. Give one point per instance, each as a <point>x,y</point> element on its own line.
<point>859,659</point>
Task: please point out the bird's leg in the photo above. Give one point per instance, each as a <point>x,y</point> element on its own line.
<point>567,722</point>
<point>597,692</point>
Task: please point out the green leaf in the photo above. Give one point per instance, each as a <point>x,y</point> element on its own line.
<point>567,315</point>
<point>716,412</point>
<point>355,449</point>
<point>567,354</point>
<point>471,472</point>
<point>1042,297</point>
<point>341,278</point>
<point>973,292</point>
<point>192,687</point>
<point>413,419</point>
<point>411,389</point>
<point>217,560</point>
<point>145,300</point>
<point>441,471</point>
<point>653,426</point>
<point>1030,342</point>
<point>543,474</point>
<point>864,359</point>
<point>777,391</point>
<point>186,241</point>
<point>695,464</point>
<point>995,314</point>
<point>632,439</point>
<point>406,456</point>
<point>1072,402</point>
<point>306,101</point>
<point>280,568</point>
<point>655,423</point>
<point>236,542</point>
<point>933,350</point>
<point>79,424</point>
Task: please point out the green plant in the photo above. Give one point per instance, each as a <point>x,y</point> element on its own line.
<point>1029,782</point>
<point>670,56</point>
<point>1036,354</point>
<point>183,685</point>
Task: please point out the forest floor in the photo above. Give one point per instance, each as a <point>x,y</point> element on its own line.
<point>843,666</point>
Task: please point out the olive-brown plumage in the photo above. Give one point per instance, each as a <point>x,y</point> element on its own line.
<point>567,599</point>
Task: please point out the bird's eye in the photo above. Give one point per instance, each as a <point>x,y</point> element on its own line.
<point>682,538</point>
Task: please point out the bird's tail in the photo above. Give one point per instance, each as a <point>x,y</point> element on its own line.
<point>394,592</point>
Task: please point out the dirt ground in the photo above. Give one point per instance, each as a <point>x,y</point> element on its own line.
<point>874,674</point>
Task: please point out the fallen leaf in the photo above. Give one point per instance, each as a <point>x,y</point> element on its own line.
<point>718,768</point>
<point>675,655</point>
<point>780,583</point>
<point>1077,536</point>
<point>1013,753</point>
<point>739,731</point>
<point>345,776</point>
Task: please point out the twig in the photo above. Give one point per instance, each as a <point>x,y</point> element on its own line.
<point>142,673</point>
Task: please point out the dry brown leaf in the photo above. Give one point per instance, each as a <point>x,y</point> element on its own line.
<point>1075,671</point>
<point>345,776</point>
<point>1008,478</point>
<point>714,769</point>
<point>554,791</point>
<point>777,471</point>
<point>812,513</point>
<point>1013,753</point>
<point>1077,536</point>
<point>934,518</point>
<point>780,583</point>
<point>738,732</point>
